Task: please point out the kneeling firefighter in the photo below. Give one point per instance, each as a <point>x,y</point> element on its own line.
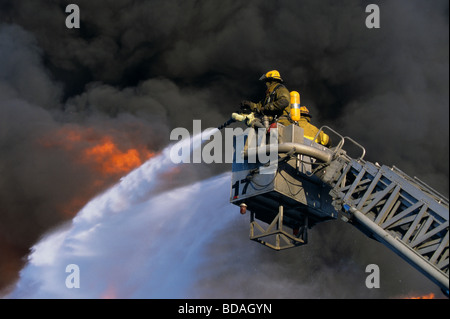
<point>276,104</point>
<point>301,116</point>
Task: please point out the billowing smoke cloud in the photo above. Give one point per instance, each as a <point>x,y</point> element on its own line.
<point>137,69</point>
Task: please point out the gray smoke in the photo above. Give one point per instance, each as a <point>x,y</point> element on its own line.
<point>137,69</point>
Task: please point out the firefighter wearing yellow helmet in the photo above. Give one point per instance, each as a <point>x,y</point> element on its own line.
<point>276,103</point>
<point>309,130</point>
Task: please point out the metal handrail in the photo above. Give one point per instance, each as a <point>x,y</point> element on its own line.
<point>359,145</point>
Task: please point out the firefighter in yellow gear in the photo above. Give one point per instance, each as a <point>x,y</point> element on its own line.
<point>301,116</point>
<point>276,103</point>
<point>309,130</point>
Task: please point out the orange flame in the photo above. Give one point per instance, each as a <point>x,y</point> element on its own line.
<point>97,150</point>
<point>429,296</point>
<point>103,157</point>
<point>111,160</point>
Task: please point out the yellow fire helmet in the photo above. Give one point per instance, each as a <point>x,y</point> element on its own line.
<point>271,75</point>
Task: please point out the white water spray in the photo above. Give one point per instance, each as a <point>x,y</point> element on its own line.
<point>130,243</point>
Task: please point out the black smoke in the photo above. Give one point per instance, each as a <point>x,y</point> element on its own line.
<point>137,69</point>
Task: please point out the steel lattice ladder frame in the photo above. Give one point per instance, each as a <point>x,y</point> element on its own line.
<point>401,212</point>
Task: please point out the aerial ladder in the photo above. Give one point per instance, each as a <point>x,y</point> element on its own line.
<point>307,183</point>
